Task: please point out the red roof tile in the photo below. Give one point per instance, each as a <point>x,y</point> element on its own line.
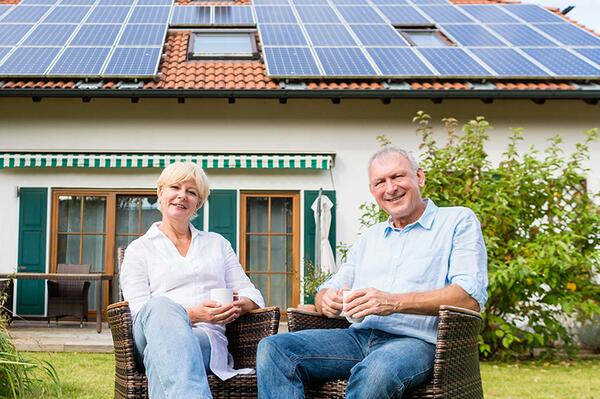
<point>176,72</point>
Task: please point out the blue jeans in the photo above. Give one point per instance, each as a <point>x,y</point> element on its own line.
<point>176,355</point>
<point>377,364</point>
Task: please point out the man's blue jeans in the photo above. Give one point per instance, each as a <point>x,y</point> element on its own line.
<point>175,355</point>
<point>377,364</point>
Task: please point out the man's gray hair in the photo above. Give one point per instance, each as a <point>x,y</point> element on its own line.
<point>387,151</point>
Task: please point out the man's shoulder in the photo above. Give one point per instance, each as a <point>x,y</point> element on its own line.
<point>455,212</point>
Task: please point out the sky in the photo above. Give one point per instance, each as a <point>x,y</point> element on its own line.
<point>586,12</point>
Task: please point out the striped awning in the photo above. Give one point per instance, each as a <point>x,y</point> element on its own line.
<point>155,160</point>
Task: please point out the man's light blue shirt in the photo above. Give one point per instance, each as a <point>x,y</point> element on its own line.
<point>445,246</point>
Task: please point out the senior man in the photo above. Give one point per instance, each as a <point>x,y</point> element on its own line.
<point>399,272</point>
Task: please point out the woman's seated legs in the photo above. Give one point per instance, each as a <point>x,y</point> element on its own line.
<point>170,351</point>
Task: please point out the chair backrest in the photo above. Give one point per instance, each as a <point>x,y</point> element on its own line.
<point>120,257</point>
<point>71,288</point>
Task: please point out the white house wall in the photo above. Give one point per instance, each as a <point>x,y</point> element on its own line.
<point>347,129</point>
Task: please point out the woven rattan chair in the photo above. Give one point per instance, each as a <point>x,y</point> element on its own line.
<point>69,298</point>
<point>243,336</point>
<point>456,365</point>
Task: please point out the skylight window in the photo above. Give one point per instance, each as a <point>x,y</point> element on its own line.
<point>424,37</point>
<point>239,44</point>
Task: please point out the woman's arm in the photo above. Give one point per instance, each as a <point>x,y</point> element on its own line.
<point>134,280</point>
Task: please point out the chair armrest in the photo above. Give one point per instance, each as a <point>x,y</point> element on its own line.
<point>52,288</point>
<point>245,333</point>
<point>120,323</point>
<point>86,289</point>
<point>299,320</point>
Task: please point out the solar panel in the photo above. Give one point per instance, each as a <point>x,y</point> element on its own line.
<point>80,61</point>
<point>532,13</point>
<point>234,15</point>
<point>4,8</point>
<point>507,62</point>
<point>452,61</point>
<point>569,34</point>
<point>329,35</point>
<point>419,2</point>
<point>562,62</point>
<point>590,53</point>
<point>378,35</point>
<point>360,14</point>
<point>96,35</point>
<point>281,35</point>
<point>155,2</point>
<point>116,2</point>
<point>50,35</point>
<point>67,15</point>
<point>27,61</point>
<point>108,15</point>
<point>11,34</point>
<point>25,14</point>
<point>138,61</point>
<point>398,62</point>
<point>489,14</point>
<point>143,35</point>
<point>446,14</point>
<point>37,2</point>
<point>317,14</point>
<point>521,35</point>
<point>471,35</point>
<point>77,2</point>
<point>290,61</point>
<point>3,52</point>
<point>190,16</point>
<point>310,2</point>
<point>390,2</point>
<point>271,2</point>
<point>149,15</point>
<point>404,15</point>
<point>352,2</point>
<point>344,62</point>
<point>274,14</point>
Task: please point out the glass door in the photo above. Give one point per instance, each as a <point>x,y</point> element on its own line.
<point>269,249</point>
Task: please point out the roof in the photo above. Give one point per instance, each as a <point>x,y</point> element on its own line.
<point>179,77</point>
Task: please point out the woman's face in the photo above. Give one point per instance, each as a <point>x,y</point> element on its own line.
<point>179,201</point>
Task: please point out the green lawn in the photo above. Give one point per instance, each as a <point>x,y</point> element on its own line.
<point>90,375</point>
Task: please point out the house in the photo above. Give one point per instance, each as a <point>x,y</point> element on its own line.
<point>275,110</point>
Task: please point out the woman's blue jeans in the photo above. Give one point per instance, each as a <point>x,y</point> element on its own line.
<point>377,364</point>
<point>175,355</point>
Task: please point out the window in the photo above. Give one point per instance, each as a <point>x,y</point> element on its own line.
<point>224,44</point>
<point>425,37</point>
<point>270,245</point>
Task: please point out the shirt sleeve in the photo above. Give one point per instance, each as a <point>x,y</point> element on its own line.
<point>344,277</point>
<point>468,259</point>
<point>134,281</point>
<point>236,279</point>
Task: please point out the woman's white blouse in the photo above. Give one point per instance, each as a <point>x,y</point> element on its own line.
<point>152,266</point>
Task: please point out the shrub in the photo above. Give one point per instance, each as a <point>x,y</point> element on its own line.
<point>313,278</point>
<point>540,226</point>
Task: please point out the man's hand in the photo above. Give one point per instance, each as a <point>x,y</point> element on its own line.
<point>213,312</point>
<point>330,302</point>
<point>370,301</point>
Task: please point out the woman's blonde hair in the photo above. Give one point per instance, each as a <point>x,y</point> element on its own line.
<point>179,172</point>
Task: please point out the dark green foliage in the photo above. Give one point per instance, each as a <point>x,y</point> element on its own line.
<point>540,224</point>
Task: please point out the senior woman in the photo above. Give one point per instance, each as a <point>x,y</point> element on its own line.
<point>167,275</point>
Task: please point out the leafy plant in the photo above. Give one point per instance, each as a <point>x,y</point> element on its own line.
<point>21,378</point>
<point>540,224</point>
<point>313,278</point>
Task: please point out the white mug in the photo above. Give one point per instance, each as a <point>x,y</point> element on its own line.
<point>345,295</point>
<point>222,295</point>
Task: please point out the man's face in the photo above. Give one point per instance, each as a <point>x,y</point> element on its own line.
<point>396,188</point>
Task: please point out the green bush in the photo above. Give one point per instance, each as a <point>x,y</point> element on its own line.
<point>540,225</point>
<point>313,278</point>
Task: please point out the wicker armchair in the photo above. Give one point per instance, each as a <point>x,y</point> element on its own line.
<point>243,336</point>
<point>69,298</point>
<point>456,365</point>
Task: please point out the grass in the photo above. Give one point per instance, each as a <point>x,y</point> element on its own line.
<point>90,375</point>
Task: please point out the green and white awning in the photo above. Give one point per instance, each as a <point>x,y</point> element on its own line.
<point>149,160</point>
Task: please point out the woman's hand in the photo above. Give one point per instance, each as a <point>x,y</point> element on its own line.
<point>213,312</point>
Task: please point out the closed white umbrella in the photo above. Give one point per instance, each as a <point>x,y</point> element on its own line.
<point>324,258</point>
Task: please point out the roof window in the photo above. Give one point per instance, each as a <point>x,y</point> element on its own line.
<point>223,44</point>
<point>424,37</point>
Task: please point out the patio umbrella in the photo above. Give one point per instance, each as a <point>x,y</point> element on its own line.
<point>324,258</point>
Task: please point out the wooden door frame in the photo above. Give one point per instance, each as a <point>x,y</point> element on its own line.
<point>295,195</point>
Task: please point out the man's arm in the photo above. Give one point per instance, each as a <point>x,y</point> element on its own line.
<point>328,302</point>
<point>370,301</point>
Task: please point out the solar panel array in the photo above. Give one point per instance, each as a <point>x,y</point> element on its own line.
<point>301,38</point>
<point>364,39</point>
<point>83,38</point>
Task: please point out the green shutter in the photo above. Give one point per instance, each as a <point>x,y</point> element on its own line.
<point>198,221</point>
<point>33,205</point>
<point>309,223</point>
<point>222,214</point>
